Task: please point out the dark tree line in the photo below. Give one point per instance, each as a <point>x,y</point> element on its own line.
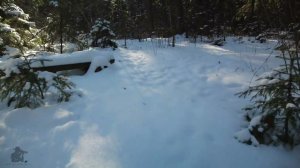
<point>163,18</point>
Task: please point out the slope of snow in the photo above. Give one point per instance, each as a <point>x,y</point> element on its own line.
<point>154,108</point>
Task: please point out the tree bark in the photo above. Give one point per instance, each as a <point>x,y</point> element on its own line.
<point>61,31</point>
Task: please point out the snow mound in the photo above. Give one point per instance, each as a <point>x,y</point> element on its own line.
<point>102,57</point>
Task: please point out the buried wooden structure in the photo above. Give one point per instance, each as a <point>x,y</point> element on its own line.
<point>84,66</point>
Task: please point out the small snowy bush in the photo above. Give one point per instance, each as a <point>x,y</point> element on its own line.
<point>102,35</point>
<point>274,117</point>
<point>25,88</point>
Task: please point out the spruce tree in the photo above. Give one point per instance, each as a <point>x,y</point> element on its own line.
<point>102,35</point>
<point>20,84</point>
<point>274,116</point>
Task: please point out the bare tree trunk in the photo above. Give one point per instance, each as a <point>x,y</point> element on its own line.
<point>151,15</point>
<point>171,27</point>
<point>290,99</point>
<point>125,40</point>
<point>252,8</point>
<point>61,32</point>
<point>173,41</point>
<point>181,17</point>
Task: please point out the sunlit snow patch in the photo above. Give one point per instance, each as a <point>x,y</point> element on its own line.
<point>94,151</point>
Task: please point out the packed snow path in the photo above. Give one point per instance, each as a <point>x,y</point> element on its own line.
<point>154,108</point>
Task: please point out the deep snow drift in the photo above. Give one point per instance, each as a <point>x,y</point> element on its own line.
<point>156,107</point>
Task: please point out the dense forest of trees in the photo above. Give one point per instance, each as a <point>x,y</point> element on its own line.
<point>64,19</point>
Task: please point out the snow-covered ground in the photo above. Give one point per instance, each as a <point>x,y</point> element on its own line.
<point>156,107</point>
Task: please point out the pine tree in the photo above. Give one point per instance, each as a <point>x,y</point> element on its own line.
<point>274,117</point>
<point>16,32</point>
<point>102,35</point>
<point>20,84</point>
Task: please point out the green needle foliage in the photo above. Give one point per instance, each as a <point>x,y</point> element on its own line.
<point>274,117</point>
<point>102,35</point>
<point>24,87</point>
<point>20,85</point>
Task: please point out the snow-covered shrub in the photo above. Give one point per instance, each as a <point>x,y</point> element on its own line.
<point>102,35</point>
<point>23,87</point>
<point>274,117</point>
